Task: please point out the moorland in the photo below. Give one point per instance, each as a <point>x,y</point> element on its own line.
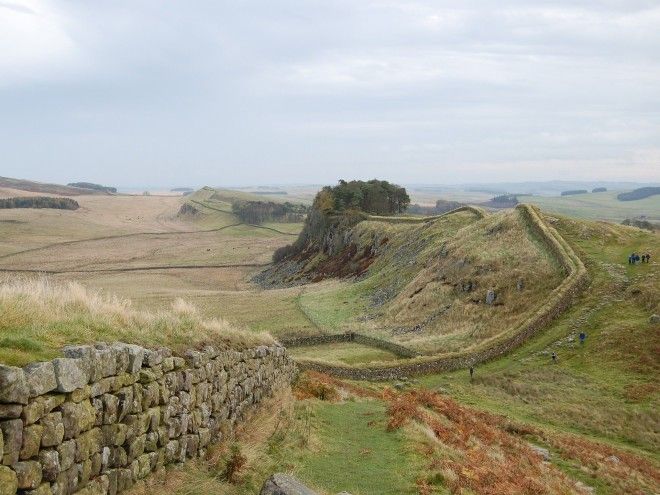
<point>172,269</point>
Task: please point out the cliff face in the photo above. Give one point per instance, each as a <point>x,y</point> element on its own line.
<point>104,416</point>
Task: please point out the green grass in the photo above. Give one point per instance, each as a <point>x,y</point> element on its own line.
<point>598,206</point>
<point>345,352</point>
<point>606,389</point>
<point>356,453</point>
<point>39,318</point>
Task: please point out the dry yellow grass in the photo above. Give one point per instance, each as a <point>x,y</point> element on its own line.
<point>39,317</point>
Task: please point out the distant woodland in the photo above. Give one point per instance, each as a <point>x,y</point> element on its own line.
<point>257,212</point>
<point>39,202</point>
<point>641,193</point>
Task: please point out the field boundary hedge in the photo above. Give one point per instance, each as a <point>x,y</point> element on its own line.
<point>576,279</point>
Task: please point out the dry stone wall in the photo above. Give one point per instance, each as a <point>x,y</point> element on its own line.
<point>576,279</point>
<point>104,416</point>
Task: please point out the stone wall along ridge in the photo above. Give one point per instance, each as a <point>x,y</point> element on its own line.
<point>576,279</point>
<point>479,212</point>
<point>104,416</point>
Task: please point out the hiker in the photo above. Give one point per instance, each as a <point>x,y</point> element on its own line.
<point>471,372</point>
<point>637,258</point>
<point>583,337</point>
<point>554,357</point>
<point>630,259</point>
<point>648,257</point>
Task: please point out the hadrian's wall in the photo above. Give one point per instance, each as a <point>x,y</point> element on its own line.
<point>104,416</point>
<point>576,279</point>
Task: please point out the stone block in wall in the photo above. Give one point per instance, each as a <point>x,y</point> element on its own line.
<point>80,394</point>
<point>51,401</point>
<point>33,411</point>
<point>40,378</point>
<point>50,464</point>
<point>13,385</point>
<point>8,481</point>
<point>136,447</point>
<point>77,418</point>
<point>152,358</point>
<point>150,394</point>
<point>124,480</point>
<point>110,409</point>
<point>125,396</point>
<point>105,360</point>
<point>194,359</point>
<point>12,434</point>
<point>67,453</point>
<point>53,429</point>
<point>10,411</point>
<point>28,474</point>
<point>118,457</point>
<point>192,445</point>
<point>151,442</point>
<point>70,373</point>
<point>88,444</point>
<point>114,434</point>
<point>31,441</point>
<point>98,486</point>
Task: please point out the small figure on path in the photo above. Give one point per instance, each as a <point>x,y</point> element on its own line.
<point>583,337</point>
<point>631,258</point>
<point>554,357</point>
<point>471,372</point>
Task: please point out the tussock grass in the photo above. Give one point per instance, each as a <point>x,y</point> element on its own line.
<point>38,317</point>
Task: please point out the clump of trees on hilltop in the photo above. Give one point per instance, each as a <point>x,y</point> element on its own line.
<point>257,212</point>
<point>39,202</point>
<point>376,197</point>
<point>338,208</point>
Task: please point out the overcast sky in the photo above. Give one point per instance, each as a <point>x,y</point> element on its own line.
<point>142,92</point>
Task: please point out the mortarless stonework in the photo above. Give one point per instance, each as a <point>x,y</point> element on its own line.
<point>104,416</point>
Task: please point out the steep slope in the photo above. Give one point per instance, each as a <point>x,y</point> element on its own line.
<point>436,285</point>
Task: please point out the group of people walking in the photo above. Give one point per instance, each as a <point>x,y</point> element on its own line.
<point>634,258</point>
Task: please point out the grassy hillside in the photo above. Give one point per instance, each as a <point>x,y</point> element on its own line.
<point>39,318</point>
<point>424,284</point>
<point>598,206</point>
<point>40,187</point>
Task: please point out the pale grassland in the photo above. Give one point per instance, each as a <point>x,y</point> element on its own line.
<point>343,352</point>
<point>120,233</point>
<point>39,317</point>
<point>598,206</point>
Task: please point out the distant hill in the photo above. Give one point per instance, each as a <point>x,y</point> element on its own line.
<point>41,187</point>
<point>182,189</point>
<point>91,185</point>
<point>641,193</point>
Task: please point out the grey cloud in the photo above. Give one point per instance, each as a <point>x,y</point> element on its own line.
<point>291,91</point>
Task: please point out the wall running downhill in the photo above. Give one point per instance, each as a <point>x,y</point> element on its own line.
<point>105,416</point>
